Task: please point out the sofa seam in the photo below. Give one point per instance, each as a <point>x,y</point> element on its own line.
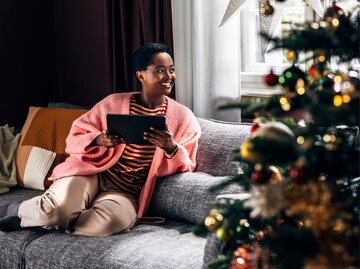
<point>23,249</point>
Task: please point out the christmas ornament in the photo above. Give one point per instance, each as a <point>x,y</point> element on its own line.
<point>233,7</point>
<point>214,220</point>
<point>291,55</point>
<point>266,8</point>
<point>333,12</point>
<point>267,200</point>
<point>222,234</point>
<point>269,138</point>
<point>314,73</point>
<point>271,79</point>
<point>290,77</point>
<point>262,175</point>
<point>247,152</point>
<point>254,127</point>
<point>276,134</point>
<point>299,175</point>
<point>275,130</point>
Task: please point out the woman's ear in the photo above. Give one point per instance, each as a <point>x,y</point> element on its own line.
<point>140,75</point>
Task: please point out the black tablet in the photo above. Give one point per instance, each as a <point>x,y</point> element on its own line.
<point>132,127</point>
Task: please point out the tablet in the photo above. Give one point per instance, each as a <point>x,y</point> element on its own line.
<point>132,127</point>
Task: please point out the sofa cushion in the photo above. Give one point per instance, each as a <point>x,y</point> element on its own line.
<point>42,144</point>
<point>186,196</point>
<point>13,244</point>
<point>167,246</point>
<point>216,145</point>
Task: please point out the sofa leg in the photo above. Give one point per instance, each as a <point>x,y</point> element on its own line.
<point>9,219</point>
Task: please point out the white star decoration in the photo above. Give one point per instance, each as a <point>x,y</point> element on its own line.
<point>233,6</point>
<point>267,23</point>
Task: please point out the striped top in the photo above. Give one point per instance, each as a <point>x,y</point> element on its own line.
<point>130,172</point>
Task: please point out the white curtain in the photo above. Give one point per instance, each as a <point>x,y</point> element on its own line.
<point>206,57</point>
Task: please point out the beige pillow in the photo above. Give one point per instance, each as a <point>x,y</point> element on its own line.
<point>42,144</point>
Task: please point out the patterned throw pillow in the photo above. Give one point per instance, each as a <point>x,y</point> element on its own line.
<point>42,144</point>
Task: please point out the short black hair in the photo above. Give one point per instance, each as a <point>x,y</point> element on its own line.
<point>144,56</point>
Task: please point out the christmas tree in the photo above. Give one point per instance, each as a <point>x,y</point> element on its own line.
<point>302,159</point>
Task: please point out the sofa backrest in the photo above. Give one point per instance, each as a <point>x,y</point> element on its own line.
<point>217,144</point>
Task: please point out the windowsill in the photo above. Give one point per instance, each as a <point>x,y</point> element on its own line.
<point>259,92</point>
<point>252,85</point>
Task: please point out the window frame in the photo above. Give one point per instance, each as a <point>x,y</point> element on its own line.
<point>252,72</point>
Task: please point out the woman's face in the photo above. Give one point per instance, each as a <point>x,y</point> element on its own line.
<point>159,77</point>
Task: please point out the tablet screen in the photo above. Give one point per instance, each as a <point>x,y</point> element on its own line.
<point>132,127</point>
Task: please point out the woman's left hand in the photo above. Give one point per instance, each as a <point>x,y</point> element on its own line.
<point>161,138</point>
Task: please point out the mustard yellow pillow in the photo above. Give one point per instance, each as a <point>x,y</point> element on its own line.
<point>42,144</point>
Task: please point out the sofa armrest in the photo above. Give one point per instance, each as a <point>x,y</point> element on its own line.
<point>186,196</point>
<point>214,247</point>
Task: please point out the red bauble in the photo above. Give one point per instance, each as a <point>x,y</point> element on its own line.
<point>254,127</point>
<point>271,79</point>
<point>333,11</point>
<point>313,71</point>
<point>261,176</point>
<point>299,175</point>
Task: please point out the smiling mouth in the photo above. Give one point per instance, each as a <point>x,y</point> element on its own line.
<point>166,84</point>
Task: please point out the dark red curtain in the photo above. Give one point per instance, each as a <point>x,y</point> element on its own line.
<point>75,51</point>
<point>130,25</point>
<point>27,56</point>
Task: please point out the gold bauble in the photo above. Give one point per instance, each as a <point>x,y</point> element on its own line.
<point>291,55</point>
<point>247,153</point>
<point>222,234</point>
<point>266,8</point>
<point>214,220</point>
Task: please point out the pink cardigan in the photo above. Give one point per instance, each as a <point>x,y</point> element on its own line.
<point>84,160</point>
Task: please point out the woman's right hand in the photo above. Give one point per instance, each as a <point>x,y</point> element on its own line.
<point>108,140</point>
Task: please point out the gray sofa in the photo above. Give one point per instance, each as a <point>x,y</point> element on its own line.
<point>183,199</point>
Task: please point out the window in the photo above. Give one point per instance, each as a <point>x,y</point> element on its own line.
<point>214,63</point>
<point>253,63</point>
<point>256,60</point>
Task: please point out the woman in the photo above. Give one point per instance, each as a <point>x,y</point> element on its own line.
<point>105,186</point>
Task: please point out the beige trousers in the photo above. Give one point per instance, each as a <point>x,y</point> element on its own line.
<point>77,205</point>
